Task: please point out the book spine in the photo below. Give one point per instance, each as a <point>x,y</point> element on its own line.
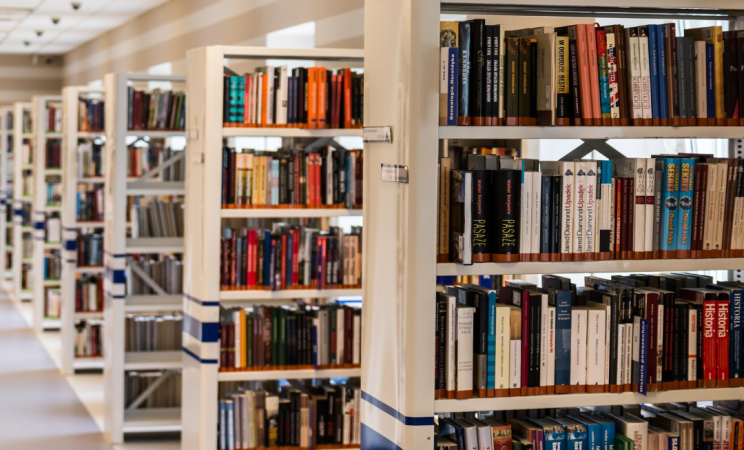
<point>578,348</point>
<point>673,73</point>
<point>563,107</point>
<point>591,45</point>
<point>478,71</point>
<point>722,341</point>
<point>525,77</point>
<point>525,217</point>
<point>497,89</point>
<point>710,82</point>
<point>613,81</point>
<point>464,112</point>
<point>607,213</point>
<point>701,93</point>
<point>670,203</point>
<point>563,342</point>
<point>686,199</point>
<point>710,211</point>
<point>661,52</point>
<point>585,82</point>
<point>591,205</point>
<point>546,216</point>
<point>488,86</point>
<point>502,352</point>
<point>579,211</point>
<point>550,366</point>
<point>508,198</point>
<point>735,337</point>
<point>692,348</point>
<point>511,72</point>
<point>646,99</point>
<point>451,67</point>
<point>557,211</point>
<point>491,347</point>
<point>696,211</point>
<point>643,357</point>
<point>635,86</point>
<point>604,77</point>
<point>691,85</point>
<point>481,199</point>
<point>567,211</point>
<point>575,86</point>
<point>465,352</point>
<point>536,226</point>
<point>648,233</point>
<point>653,60</point>
<point>639,213</point>
<point>682,81</point>
<point>709,342</point>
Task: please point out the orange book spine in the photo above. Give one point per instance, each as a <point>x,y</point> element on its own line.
<point>347,98</point>
<point>247,100</point>
<point>584,82</point>
<point>591,44</point>
<point>264,101</point>
<point>322,93</point>
<point>312,97</point>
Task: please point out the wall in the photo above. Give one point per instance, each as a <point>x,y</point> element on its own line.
<point>22,76</point>
<point>164,34</point>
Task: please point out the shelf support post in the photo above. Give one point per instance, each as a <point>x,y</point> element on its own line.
<point>150,390</point>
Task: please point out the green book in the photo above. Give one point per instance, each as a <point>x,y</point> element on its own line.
<point>623,442</point>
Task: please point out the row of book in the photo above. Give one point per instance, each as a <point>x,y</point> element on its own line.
<point>588,74</point>
<point>639,333</point>
<point>53,155</point>
<point>290,417</point>
<point>53,228</point>
<point>166,395</point>
<point>331,177</point>
<point>166,273</point>
<point>52,302</point>
<point>309,97</point>
<point>89,202</point>
<point>52,265</point>
<point>290,257</point>
<point>53,190</point>
<point>275,338</point>
<point>88,338</point>
<point>152,333</point>
<point>684,426</point>
<point>91,115</point>
<point>144,159</point>
<point>89,249</point>
<point>89,159</point>
<point>89,293</point>
<point>158,218</point>
<point>54,118</point>
<point>156,110</point>
<point>669,206</point>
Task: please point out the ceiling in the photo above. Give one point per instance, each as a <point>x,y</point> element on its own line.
<point>20,20</point>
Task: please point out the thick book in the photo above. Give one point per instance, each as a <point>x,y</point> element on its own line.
<point>464,373</point>
<point>564,106</point>
<point>653,61</point>
<point>464,108</point>
<point>482,214</point>
<point>701,89</point>
<point>585,83</point>
<point>575,85</point>
<point>591,45</point>
<point>670,205</point>
<point>684,217</point>
<point>512,81</point>
<point>613,77</point>
<point>731,78</point>
<point>461,216</point>
<point>607,215</point>
<point>579,333</point>
<point>604,76</point>
<point>579,211</point>
<point>448,84</point>
<point>526,107</point>
<point>478,71</point>
<point>645,61</point>
<point>508,197</point>
<point>635,88</point>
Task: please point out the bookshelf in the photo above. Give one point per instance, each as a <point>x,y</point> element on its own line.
<point>6,191</point>
<point>22,264</point>
<point>42,210</point>
<point>120,418</point>
<point>400,226</point>
<point>71,181</point>
<point>203,297</point>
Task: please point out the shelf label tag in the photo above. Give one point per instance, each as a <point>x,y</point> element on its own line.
<point>377,134</point>
<point>394,173</point>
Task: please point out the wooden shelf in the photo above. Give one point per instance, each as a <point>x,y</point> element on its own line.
<point>505,132</point>
<point>288,374</point>
<point>271,213</point>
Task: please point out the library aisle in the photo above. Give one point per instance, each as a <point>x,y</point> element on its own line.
<point>42,408</point>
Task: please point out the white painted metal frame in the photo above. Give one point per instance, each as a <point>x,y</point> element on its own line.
<point>6,191</point>
<point>401,91</point>
<point>41,209</point>
<point>70,226</point>
<point>203,230</point>
<point>116,246</point>
<point>18,199</point>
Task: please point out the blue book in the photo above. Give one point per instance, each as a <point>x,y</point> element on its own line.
<point>267,259</point>
<point>669,206</point>
<point>686,188</point>
<point>453,67</point>
<point>661,64</point>
<point>554,435</point>
<point>710,83</point>
<point>736,332</point>
<point>288,251</point>
<point>673,441</point>
<point>576,433</point>
<point>491,357</point>
<point>562,337</point>
<point>230,417</point>
<point>643,357</point>
<point>653,59</point>
<point>275,186</point>
<point>594,438</point>
<point>223,424</point>
<point>608,430</point>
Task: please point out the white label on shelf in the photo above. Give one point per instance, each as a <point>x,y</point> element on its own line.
<point>377,134</point>
<point>394,173</point>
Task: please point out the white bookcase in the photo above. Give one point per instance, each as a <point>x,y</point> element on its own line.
<point>22,264</point>
<point>42,210</point>
<point>400,226</point>
<point>71,226</point>
<point>120,418</point>
<point>202,298</point>
<point>6,189</point>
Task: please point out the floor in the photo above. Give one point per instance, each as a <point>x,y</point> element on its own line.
<point>40,408</point>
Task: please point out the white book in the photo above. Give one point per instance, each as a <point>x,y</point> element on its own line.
<point>591,208</point>
<point>595,347</point>
<point>501,359</point>
<point>544,340</point>
<point>692,346</point>
<point>634,428</point>
<point>736,230</point>
<point>645,76</point>
<point>567,205</point>
<point>536,198</point>
<point>710,208</point>
<point>579,210</point>
<point>621,354</point>
<point>660,342</point>
<point>627,377</point>
<point>238,325</point>
<point>608,325</point>
<point>484,435</point>
<point>269,74</point>
<point>638,167</point>
<point>726,432</point>
<point>282,96</point>
<point>465,350</point>
<point>249,421</point>
<point>721,206</point>
<point>612,75</point>
<point>450,357</point>
<point>525,216</point>
<point>339,336</point>
<point>701,76</point>
<point>515,363</point>
<point>634,71</point>
<point>551,346</point>
<point>648,233</point>
<point>579,317</point>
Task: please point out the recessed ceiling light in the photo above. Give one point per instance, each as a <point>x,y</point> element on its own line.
<point>26,43</point>
<point>55,20</point>
<point>76,5</point>
<point>39,33</point>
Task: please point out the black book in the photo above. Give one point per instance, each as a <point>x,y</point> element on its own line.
<point>511,82</point>
<point>488,110</point>
<point>508,188</point>
<point>496,74</point>
<point>441,343</point>
<point>677,318</point>
<point>691,84</point>
<point>535,337</point>
<point>573,56</point>
<point>563,106</point>
<point>525,80</point>
<point>478,71</point>
<point>740,67</point>
<point>556,211</point>
<point>482,214</point>
<point>546,213</point>
<point>464,37</point>
<point>533,82</point>
<point>682,79</point>
<point>684,317</point>
<point>731,76</point>
<point>673,71</point>
<point>698,425</point>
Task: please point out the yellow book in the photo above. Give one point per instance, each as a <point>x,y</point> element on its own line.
<point>243,343</point>
<point>249,174</point>
<point>714,35</point>
<point>255,196</point>
<point>448,34</point>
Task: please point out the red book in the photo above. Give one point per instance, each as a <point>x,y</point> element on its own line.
<point>618,217</point>
<point>585,84</point>
<point>284,262</point>
<point>322,259</point>
<point>625,225</point>
<point>296,257</point>
<point>591,45</point>
<point>722,342</point>
<point>347,98</point>
<point>709,299</point>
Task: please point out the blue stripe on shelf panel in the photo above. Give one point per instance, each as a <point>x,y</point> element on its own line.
<point>203,361</point>
<point>201,302</point>
<point>372,440</point>
<point>115,297</point>
<point>71,245</point>
<point>408,421</point>
<point>115,255</point>
<point>3,201</point>
<point>204,331</point>
<point>18,212</point>
<point>39,225</point>
<point>71,261</point>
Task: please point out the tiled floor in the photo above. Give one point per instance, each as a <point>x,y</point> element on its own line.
<point>40,408</point>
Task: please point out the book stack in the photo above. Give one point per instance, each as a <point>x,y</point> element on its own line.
<point>143,159</point>
<point>88,293</point>
<point>156,110</point>
<point>53,154</point>
<point>52,303</point>
<point>54,118</point>
<point>88,338</point>
<point>89,249</point>
<point>53,190</point>
<point>152,333</point>
<point>665,207</point>
<point>290,257</point>
<point>292,179</point>
<point>589,75</point>
<point>89,202</point>
<point>53,228</point>
<point>52,265</point>
<point>634,333</point>
<point>90,115</point>
<point>322,416</point>
<point>158,218</point>
<point>89,160</point>
<point>166,395</point>
<point>166,273</point>
<point>275,338</point>
<point>311,97</point>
